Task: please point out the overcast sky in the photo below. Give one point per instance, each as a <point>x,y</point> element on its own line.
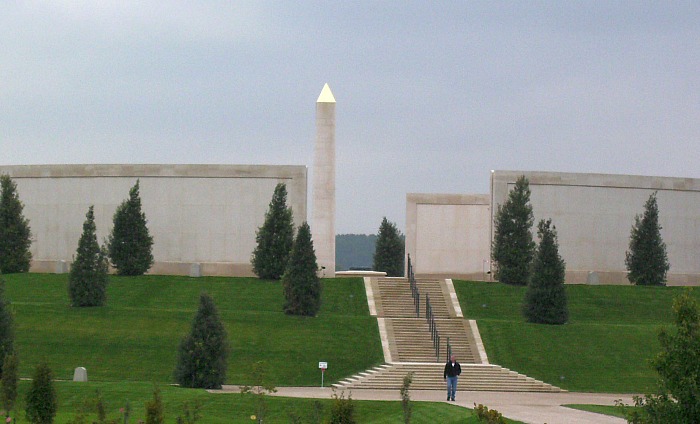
<point>431,96</point>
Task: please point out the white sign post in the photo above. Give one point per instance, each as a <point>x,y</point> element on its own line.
<point>323,366</point>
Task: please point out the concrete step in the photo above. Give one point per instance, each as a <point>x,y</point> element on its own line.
<point>412,341</point>
<point>430,377</point>
<point>394,298</point>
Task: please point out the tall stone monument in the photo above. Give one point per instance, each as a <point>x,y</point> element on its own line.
<point>323,216</point>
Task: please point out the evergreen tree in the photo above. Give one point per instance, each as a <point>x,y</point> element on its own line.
<point>130,244</point>
<point>7,330</point>
<point>646,258</point>
<point>10,381</point>
<point>202,358</point>
<point>275,238</point>
<point>42,402</point>
<point>545,298</point>
<point>678,365</point>
<point>87,283</point>
<point>513,248</point>
<point>302,287</point>
<point>389,250</point>
<point>15,235</point>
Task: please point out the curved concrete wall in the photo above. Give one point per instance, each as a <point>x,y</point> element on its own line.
<point>202,215</point>
<point>594,213</point>
<point>448,234</point>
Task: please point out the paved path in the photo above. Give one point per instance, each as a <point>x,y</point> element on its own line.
<point>532,408</point>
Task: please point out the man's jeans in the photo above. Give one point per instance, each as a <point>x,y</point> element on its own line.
<point>451,387</point>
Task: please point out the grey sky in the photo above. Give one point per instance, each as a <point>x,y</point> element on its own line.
<point>430,95</point>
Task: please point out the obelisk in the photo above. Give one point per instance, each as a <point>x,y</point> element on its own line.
<point>323,215</point>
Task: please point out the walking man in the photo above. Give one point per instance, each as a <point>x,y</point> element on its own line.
<point>452,371</point>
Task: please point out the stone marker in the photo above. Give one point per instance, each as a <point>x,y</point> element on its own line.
<point>61,267</point>
<point>196,270</point>
<point>80,375</point>
<point>593,278</point>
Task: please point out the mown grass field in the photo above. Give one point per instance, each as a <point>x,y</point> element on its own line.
<point>234,408</point>
<point>131,344</point>
<point>605,347</point>
<point>136,336</point>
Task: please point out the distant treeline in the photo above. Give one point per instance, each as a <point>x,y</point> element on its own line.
<point>354,251</point>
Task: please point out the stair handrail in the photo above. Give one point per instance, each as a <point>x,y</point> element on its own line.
<point>449,349</point>
<point>432,327</point>
<point>414,287</point>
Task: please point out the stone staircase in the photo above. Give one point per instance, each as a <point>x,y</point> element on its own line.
<point>411,348</point>
<point>429,377</point>
<point>413,344</point>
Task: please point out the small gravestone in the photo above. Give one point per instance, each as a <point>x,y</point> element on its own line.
<point>593,278</point>
<point>80,375</point>
<point>61,267</point>
<point>196,270</point>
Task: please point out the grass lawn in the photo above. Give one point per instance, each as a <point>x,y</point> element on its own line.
<point>599,409</point>
<point>605,347</point>
<point>136,336</point>
<point>235,408</point>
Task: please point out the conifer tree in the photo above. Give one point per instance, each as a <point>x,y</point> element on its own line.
<point>302,287</point>
<point>545,298</point>
<point>42,402</point>
<point>7,330</point>
<point>274,238</point>
<point>203,354</point>
<point>10,381</point>
<point>389,250</point>
<point>87,283</point>
<point>646,259</point>
<point>130,244</point>
<point>512,247</point>
<point>15,234</point>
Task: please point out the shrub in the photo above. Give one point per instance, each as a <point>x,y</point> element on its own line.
<point>389,250</point>
<point>488,416</point>
<point>130,244</point>
<point>42,402</point>
<point>260,389</point>
<point>406,398</point>
<point>15,235</point>
<point>545,298</point>
<point>678,366</point>
<point>202,357</point>
<point>646,259</point>
<point>155,409</point>
<point>87,283</point>
<point>302,287</point>
<point>512,247</point>
<point>342,410</point>
<point>274,238</point>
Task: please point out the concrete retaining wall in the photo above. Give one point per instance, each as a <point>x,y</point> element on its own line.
<point>197,214</point>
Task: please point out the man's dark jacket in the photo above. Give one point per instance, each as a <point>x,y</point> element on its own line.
<point>452,370</point>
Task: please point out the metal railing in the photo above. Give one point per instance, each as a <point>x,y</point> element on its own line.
<point>414,287</point>
<point>449,350</point>
<point>432,327</point>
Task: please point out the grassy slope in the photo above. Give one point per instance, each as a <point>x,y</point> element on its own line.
<point>605,347</point>
<point>135,338</point>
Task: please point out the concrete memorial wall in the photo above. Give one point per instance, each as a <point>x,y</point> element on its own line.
<point>448,234</point>
<point>594,213</point>
<point>203,218</point>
